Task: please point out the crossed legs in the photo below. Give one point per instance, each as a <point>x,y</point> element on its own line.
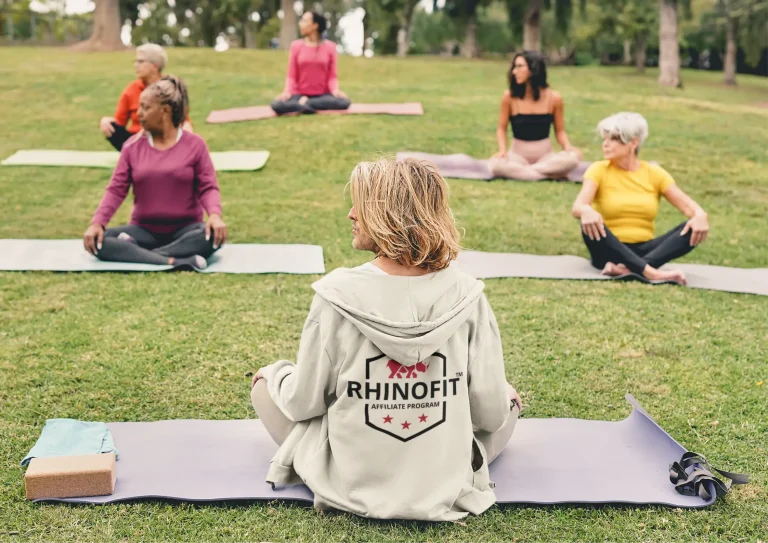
<point>312,104</point>
<point>132,243</point>
<point>279,426</point>
<point>550,166</point>
<point>617,258</point>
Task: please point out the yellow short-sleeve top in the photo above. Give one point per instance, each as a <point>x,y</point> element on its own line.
<point>629,201</point>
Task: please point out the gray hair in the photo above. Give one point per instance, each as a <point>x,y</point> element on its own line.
<point>625,126</point>
<point>155,54</point>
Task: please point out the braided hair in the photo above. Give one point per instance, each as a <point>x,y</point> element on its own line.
<point>172,91</point>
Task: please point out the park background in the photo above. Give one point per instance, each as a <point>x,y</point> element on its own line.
<point>143,347</point>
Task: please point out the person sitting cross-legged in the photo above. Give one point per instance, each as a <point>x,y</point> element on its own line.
<point>173,180</point>
<point>532,108</point>
<point>311,84</point>
<point>618,203</point>
<point>148,65</point>
<point>398,400</point>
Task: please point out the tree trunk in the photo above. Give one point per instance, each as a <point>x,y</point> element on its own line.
<point>107,27</point>
<point>289,26</point>
<point>627,53</point>
<point>669,48</point>
<point>532,28</point>
<point>366,31</point>
<point>9,24</point>
<point>640,45</point>
<point>249,34</point>
<point>469,46</point>
<point>729,69</point>
<point>406,28</point>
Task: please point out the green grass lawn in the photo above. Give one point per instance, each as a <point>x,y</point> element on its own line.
<point>143,347</point>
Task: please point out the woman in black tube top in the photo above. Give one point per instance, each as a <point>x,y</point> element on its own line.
<point>531,107</point>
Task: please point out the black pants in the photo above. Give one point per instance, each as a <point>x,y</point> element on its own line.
<point>119,136</point>
<point>150,248</point>
<point>636,256</point>
<point>314,104</point>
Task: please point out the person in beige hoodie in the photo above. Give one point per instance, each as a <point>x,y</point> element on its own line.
<point>398,400</point>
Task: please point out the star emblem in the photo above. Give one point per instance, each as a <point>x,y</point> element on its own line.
<point>387,419</point>
<point>406,425</point>
<point>423,418</point>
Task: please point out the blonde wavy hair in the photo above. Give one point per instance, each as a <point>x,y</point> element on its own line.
<point>403,207</point>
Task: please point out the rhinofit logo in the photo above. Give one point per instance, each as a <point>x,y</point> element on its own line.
<point>405,402</point>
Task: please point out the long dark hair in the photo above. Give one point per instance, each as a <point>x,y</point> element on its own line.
<point>538,78</point>
<point>322,23</point>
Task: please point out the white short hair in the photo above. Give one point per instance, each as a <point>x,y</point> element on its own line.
<point>625,126</point>
<point>155,54</point>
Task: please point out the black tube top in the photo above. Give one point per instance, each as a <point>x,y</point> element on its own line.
<point>531,126</point>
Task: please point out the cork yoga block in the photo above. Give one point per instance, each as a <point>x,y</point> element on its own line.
<point>70,476</point>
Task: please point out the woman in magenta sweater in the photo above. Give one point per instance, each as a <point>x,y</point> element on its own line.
<point>311,84</point>
<point>173,182</point>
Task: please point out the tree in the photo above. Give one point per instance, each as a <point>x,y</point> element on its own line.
<point>745,23</point>
<point>465,13</point>
<point>289,27</point>
<point>633,22</point>
<point>525,15</point>
<point>669,47</point>
<point>107,27</point>
<point>669,44</point>
<point>395,24</point>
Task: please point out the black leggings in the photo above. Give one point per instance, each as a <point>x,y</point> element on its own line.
<point>315,103</point>
<point>150,248</point>
<point>636,256</point>
<point>119,136</point>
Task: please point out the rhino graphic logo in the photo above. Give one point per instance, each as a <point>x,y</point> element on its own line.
<point>402,401</point>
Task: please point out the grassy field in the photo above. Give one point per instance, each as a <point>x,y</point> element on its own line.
<point>148,347</point>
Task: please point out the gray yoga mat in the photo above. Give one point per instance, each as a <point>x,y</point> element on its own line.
<point>492,265</point>
<point>461,166</point>
<point>69,255</point>
<point>547,461</point>
<point>223,161</point>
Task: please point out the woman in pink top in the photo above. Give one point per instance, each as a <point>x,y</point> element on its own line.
<point>311,84</point>
<point>173,181</point>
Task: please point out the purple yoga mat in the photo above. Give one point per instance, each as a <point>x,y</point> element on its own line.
<point>547,461</point>
<point>257,113</point>
<point>484,265</point>
<point>460,166</point>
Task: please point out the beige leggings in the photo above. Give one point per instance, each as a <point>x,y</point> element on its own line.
<point>279,426</point>
<point>534,161</point>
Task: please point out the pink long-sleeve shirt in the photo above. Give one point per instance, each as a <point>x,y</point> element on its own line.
<point>171,188</point>
<point>312,70</point>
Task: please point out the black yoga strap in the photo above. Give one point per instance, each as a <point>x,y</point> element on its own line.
<point>692,483</point>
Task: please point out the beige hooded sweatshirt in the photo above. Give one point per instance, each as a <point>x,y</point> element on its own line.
<point>394,375</point>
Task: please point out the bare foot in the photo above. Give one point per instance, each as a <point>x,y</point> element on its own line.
<point>672,275</point>
<point>622,269</point>
<point>611,270</point>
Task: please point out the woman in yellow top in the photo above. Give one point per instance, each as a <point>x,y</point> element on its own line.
<point>619,201</point>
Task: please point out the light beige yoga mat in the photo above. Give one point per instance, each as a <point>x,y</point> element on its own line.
<point>223,161</point>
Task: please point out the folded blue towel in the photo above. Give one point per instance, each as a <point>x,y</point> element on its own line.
<point>70,437</point>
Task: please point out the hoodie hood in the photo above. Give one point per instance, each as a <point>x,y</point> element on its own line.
<point>407,318</point>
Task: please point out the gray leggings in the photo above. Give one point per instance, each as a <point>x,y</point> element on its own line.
<point>151,248</point>
<point>279,426</point>
<point>314,104</point>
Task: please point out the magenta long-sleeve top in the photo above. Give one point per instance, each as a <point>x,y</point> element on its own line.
<point>171,188</point>
<point>312,70</point>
